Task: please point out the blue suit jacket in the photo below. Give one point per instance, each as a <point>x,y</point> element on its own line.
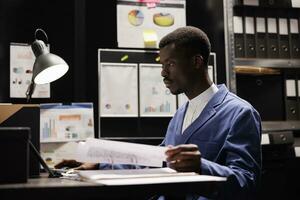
<point>228,134</point>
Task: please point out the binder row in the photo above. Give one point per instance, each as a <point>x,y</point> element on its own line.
<point>266,33</point>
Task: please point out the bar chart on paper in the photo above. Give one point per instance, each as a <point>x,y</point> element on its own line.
<point>155,98</point>
<point>63,123</point>
<point>48,129</point>
<point>165,107</point>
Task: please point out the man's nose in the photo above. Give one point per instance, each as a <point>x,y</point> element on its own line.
<point>163,72</point>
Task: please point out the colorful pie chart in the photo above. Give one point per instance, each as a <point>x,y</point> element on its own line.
<point>163,19</point>
<point>135,17</point>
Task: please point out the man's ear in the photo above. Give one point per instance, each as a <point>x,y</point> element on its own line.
<point>198,61</point>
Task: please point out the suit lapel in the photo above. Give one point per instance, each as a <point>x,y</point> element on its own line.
<point>208,112</point>
<point>178,135</point>
<point>205,116</point>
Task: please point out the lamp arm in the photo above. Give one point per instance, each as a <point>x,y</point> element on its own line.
<point>30,90</point>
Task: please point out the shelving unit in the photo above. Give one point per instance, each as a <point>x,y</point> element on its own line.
<point>253,66</point>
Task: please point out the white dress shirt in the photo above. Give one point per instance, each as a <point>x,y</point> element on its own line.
<point>197,104</point>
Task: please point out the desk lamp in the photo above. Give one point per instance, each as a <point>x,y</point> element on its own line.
<point>47,67</point>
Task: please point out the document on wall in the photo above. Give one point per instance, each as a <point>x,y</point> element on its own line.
<point>113,152</point>
<point>21,65</point>
<point>118,85</point>
<point>155,98</point>
<point>139,25</point>
<point>64,123</point>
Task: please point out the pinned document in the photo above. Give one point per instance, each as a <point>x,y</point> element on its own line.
<point>150,38</point>
<point>295,3</point>
<point>64,123</point>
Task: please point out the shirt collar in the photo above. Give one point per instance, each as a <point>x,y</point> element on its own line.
<point>205,96</point>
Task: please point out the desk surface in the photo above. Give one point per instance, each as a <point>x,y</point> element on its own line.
<point>54,188</point>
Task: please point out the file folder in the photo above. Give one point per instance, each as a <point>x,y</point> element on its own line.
<point>238,37</point>
<point>250,48</point>
<point>272,38</point>
<point>284,47</point>
<point>292,110</point>
<point>295,38</point>
<point>261,38</point>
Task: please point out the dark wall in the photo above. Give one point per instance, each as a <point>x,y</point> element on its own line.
<point>76,30</point>
<point>18,21</point>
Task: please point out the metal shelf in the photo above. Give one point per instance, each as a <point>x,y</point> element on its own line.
<point>272,126</point>
<point>272,63</point>
<point>232,62</point>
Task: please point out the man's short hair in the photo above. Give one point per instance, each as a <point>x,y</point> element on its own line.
<point>191,39</point>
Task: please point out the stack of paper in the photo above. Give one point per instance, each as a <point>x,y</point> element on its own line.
<point>143,176</point>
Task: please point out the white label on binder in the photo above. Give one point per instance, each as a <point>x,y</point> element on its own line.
<point>283,27</point>
<point>265,139</point>
<point>294,28</point>
<point>272,27</point>
<point>238,24</point>
<point>251,2</point>
<point>297,151</point>
<point>296,3</point>
<point>290,88</point>
<point>249,25</point>
<point>260,25</point>
<point>298,88</point>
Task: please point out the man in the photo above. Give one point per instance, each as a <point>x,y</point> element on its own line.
<point>215,132</point>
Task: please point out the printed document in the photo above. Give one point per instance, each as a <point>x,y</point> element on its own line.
<point>113,152</point>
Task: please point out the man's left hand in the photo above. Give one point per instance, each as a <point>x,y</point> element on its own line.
<point>184,158</point>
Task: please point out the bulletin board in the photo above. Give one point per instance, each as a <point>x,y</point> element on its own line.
<point>132,96</point>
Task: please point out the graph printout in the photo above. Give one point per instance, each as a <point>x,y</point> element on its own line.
<point>21,65</point>
<point>155,98</point>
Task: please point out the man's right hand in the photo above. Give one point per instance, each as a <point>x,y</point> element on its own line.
<point>76,165</point>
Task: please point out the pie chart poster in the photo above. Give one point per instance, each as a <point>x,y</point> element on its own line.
<point>135,19</point>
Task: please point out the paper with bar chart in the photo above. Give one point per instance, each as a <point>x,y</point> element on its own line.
<point>155,98</point>
<point>64,123</point>
<point>118,95</point>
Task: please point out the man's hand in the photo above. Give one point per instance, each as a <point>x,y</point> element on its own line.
<point>184,158</point>
<point>76,165</point>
